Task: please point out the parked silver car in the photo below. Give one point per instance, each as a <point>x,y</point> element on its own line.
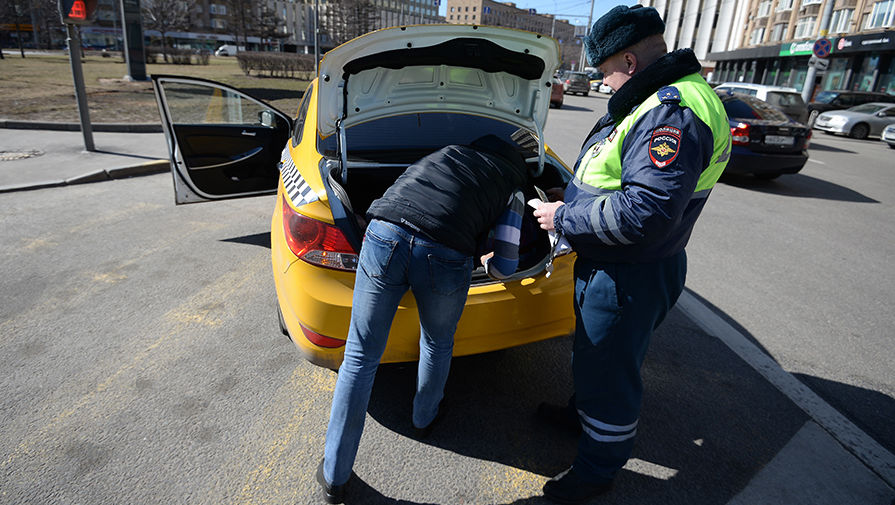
<point>888,135</point>
<point>858,122</point>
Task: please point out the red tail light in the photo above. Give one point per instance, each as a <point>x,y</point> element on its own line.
<point>740,134</point>
<point>321,340</point>
<point>808,139</point>
<point>316,242</point>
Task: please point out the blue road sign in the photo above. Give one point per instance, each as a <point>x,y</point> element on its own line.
<point>822,47</point>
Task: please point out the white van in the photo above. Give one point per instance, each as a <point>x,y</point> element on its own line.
<point>228,50</point>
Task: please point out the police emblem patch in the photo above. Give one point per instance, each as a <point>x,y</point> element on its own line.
<point>664,145</point>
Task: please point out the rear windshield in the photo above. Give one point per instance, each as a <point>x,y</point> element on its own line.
<point>785,98</point>
<point>409,137</point>
<point>744,107</point>
<point>577,77</point>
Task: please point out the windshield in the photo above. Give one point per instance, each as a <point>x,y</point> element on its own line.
<point>409,137</point>
<point>825,97</point>
<point>867,108</point>
<point>785,98</point>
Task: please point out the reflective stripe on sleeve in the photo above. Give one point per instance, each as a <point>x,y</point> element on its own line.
<point>595,212</point>
<point>612,225</point>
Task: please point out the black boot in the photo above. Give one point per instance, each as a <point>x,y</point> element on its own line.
<point>332,494</point>
<point>563,417</point>
<point>570,488</point>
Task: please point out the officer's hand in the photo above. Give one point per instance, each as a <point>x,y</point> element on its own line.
<point>545,213</point>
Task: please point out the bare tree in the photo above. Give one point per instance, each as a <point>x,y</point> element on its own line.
<point>240,14</point>
<point>266,24</point>
<point>347,19</point>
<point>167,16</point>
<point>16,13</point>
<point>46,15</point>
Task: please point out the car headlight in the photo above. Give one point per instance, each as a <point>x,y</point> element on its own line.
<point>837,120</point>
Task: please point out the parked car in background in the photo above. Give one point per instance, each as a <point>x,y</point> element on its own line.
<point>789,100</point>
<point>766,142</point>
<point>604,88</point>
<point>557,93</point>
<point>596,78</point>
<point>228,50</point>
<point>576,82</point>
<point>858,122</point>
<point>888,135</point>
<point>348,143</point>
<point>842,99</point>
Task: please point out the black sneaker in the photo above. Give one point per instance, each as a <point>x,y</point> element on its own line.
<point>563,417</point>
<point>331,494</point>
<point>569,488</point>
<point>424,432</point>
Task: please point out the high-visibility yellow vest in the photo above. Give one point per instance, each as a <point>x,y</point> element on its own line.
<point>601,166</point>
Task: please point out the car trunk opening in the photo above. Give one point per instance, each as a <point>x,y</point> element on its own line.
<point>379,152</point>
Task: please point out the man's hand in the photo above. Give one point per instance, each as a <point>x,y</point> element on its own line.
<point>545,213</point>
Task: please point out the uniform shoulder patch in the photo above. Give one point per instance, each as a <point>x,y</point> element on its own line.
<point>664,145</point>
<point>669,94</point>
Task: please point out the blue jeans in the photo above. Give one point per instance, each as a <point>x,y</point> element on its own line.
<point>394,259</point>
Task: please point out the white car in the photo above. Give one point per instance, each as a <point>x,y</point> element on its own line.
<point>604,88</point>
<point>888,135</point>
<point>789,100</point>
<point>859,121</point>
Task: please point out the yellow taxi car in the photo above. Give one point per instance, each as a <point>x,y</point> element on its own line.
<point>380,102</point>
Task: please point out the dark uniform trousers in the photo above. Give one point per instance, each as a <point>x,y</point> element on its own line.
<point>618,306</point>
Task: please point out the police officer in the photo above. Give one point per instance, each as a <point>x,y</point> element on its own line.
<point>641,180</point>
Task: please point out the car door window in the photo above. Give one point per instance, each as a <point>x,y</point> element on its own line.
<point>299,125</point>
<point>201,104</point>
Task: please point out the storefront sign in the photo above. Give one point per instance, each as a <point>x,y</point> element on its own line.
<point>871,42</point>
<point>797,48</point>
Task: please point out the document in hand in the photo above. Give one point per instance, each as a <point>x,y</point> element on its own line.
<point>558,244</point>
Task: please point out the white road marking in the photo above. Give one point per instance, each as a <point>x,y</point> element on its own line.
<point>815,161</point>
<point>868,450</point>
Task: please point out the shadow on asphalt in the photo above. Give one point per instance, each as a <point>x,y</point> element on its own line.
<point>817,146</point>
<point>709,421</point>
<point>798,185</point>
<point>259,239</point>
<point>573,107</point>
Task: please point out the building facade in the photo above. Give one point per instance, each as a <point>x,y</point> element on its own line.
<point>778,40</point>
<point>489,12</point>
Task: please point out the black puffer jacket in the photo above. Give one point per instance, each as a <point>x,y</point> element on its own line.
<point>456,193</point>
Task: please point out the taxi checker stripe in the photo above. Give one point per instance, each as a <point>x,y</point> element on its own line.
<point>298,190</point>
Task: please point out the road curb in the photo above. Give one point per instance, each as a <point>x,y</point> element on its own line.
<point>76,127</point>
<point>148,168</point>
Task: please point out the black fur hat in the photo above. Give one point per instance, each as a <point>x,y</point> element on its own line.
<point>619,28</point>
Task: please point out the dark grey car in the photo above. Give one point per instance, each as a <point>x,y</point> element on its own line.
<point>576,82</point>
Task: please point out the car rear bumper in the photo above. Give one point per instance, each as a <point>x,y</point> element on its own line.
<point>496,315</point>
<point>744,161</point>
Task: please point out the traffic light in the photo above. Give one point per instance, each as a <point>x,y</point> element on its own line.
<point>77,12</point>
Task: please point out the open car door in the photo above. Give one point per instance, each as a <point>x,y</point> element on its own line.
<point>222,142</point>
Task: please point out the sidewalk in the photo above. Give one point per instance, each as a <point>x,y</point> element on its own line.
<point>35,155</point>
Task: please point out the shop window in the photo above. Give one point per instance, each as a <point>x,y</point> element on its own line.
<point>834,77</point>
<point>864,78</point>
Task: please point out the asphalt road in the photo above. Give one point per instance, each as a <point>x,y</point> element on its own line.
<point>142,362</point>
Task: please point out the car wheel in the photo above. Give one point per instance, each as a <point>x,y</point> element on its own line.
<point>586,93</point>
<point>891,146</point>
<point>767,177</point>
<point>859,131</point>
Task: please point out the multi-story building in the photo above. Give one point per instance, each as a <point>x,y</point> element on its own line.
<point>779,37</point>
<point>489,12</point>
<point>211,23</point>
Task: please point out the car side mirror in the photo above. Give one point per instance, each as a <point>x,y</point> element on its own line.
<point>266,118</point>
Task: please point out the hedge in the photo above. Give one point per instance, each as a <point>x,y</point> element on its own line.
<point>275,64</point>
